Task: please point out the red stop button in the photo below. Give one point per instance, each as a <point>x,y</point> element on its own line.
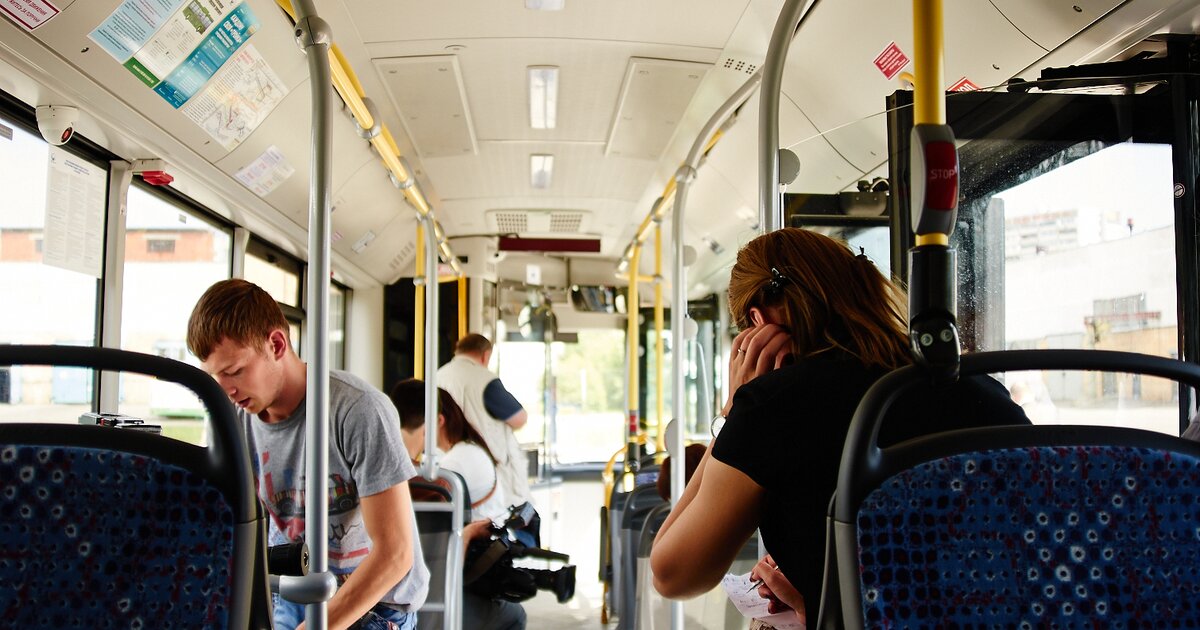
<point>941,175</point>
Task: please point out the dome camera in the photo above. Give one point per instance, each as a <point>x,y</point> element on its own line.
<point>57,123</point>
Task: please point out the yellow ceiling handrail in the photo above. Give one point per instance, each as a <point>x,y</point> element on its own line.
<point>346,82</point>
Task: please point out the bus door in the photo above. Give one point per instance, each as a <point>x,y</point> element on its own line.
<point>1076,227</point>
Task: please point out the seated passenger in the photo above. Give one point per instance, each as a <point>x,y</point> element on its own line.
<point>463,452</point>
<point>241,338</point>
<point>819,326</point>
<point>462,448</point>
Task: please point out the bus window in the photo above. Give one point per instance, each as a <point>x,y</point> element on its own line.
<point>521,365</point>
<point>590,385</point>
<point>1089,262</point>
<point>171,256</point>
<point>281,276</point>
<point>50,287</point>
<point>338,299</point>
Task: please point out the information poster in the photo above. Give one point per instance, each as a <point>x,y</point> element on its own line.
<point>193,54</point>
<point>74,236</point>
<point>266,172</point>
<point>240,97</point>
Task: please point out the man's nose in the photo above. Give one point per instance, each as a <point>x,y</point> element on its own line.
<point>227,385</point>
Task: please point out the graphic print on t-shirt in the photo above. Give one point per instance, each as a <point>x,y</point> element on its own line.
<point>286,506</point>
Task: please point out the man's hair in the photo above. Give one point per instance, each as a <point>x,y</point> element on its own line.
<point>473,343</point>
<point>236,310</point>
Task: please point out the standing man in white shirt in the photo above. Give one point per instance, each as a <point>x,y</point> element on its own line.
<point>491,409</point>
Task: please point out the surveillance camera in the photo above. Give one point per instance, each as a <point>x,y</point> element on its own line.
<point>57,123</point>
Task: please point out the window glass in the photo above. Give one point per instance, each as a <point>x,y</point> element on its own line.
<point>171,257</point>
<point>277,274</point>
<point>46,304</point>
<point>522,367</point>
<point>338,298</point>
<point>1088,262</point>
<point>590,387</point>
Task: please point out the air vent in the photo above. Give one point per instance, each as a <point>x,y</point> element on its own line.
<point>565,222</point>
<point>512,222</point>
<point>539,221</point>
<point>739,65</point>
<point>408,250</point>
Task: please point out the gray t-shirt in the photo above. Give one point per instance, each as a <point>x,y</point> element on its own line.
<point>366,457</point>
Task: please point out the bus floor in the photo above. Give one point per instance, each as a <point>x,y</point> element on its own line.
<point>570,512</point>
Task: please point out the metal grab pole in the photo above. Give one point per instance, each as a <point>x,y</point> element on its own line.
<point>314,36</point>
<point>770,212</point>
<point>429,461</point>
<point>684,177</point>
<point>632,385</point>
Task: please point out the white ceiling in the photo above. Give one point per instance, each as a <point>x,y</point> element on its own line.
<point>460,114</point>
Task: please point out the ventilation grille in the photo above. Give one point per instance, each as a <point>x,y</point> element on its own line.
<point>539,221</point>
<point>512,222</point>
<point>565,222</point>
<point>408,250</point>
<point>739,65</point>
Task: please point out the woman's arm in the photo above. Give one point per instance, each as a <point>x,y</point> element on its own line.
<point>700,539</point>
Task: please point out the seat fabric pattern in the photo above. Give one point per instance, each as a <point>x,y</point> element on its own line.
<point>90,538</point>
<point>1040,537</point>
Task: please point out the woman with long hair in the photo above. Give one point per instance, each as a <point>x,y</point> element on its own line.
<point>463,449</point>
<point>464,452</point>
<point>819,325</point>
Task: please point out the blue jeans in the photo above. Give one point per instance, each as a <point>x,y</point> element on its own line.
<point>288,615</point>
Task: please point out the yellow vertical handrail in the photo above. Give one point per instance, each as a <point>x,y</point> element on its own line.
<point>462,307</point>
<point>419,307</point>
<point>660,438</point>
<point>631,333</point>
<point>929,101</point>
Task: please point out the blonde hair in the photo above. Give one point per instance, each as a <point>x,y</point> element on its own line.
<point>828,297</point>
<point>236,310</point>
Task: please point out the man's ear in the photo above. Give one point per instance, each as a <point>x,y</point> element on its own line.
<point>279,343</point>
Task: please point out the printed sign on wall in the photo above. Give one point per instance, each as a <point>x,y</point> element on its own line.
<point>891,61</point>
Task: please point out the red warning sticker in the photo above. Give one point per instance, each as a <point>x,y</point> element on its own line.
<point>963,85</point>
<point>891,61</point>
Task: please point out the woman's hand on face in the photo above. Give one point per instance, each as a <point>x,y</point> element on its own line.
<point>776,589</point>
<point>756,351</point>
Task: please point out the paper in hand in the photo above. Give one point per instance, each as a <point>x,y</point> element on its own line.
<point>742,591</point>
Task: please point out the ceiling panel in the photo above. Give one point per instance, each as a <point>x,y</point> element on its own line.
<point>497,87</point>
<point>662,21</point>
<point>502,170</point>
<point>428,91</point>
<point>654,95</point>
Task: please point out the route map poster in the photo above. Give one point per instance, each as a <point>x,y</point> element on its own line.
<point>194,54</point>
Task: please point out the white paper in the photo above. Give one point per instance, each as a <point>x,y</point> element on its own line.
<point>743,592</point>
<point>74,236</point>
<point>237,99</point>
<point>266,172</point>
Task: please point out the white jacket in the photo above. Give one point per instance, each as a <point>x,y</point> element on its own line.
<point>465,379</point>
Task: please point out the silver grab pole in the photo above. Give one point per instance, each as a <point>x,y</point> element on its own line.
<point>314,36</point>
<point>770,212</point>
<point>429,461</point>
<point>684,177</point>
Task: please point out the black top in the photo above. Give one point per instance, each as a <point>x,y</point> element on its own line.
<point>787,428</point>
